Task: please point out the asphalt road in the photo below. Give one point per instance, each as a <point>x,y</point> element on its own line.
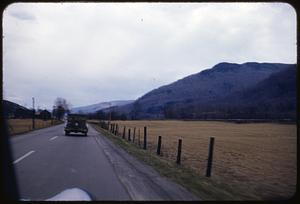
<point>48,162</point>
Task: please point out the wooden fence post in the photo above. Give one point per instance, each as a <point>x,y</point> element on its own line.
<point>124,132</point>
<point>139,138</point>
<point>178,161</point>
<point>145,137</point>
<point>129,139</point>
<point>210,156</point>
<point>158,145</point>
<point>116,130</point>
<point>133,137</point>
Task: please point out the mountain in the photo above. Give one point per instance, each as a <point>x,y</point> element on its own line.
<point>207,86</point>
<point>274,97</point>
<point>99,106</point>
<point>271,98</point>
<point>11,110</point>
<point>278,87</point>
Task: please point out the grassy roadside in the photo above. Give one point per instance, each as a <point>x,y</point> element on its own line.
<point>21,126</point>
<point>201,186</point>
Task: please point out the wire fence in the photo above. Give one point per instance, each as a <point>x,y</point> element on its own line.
<point>169,150</point>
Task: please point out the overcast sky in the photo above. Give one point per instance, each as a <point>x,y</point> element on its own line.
<point>95,52</point>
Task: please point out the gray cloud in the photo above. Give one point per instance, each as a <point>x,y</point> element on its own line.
<point>88,53</point>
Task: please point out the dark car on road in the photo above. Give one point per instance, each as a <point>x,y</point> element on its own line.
<point>76,123</point>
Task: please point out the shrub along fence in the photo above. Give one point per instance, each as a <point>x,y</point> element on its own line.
<point>113,128</point>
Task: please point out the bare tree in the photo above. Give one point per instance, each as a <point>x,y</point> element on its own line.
<point>61,106</point>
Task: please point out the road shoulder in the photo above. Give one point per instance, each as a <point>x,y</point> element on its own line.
<point>141,181</point>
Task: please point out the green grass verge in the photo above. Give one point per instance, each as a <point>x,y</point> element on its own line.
<point>201,186</point>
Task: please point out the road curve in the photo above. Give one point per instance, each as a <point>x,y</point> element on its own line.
<point>48,162</point>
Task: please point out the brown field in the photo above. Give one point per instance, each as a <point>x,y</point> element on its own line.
<point>258,160</point>
<point>18,126</point>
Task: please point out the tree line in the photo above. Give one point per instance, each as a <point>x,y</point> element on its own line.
<point>107,115</point>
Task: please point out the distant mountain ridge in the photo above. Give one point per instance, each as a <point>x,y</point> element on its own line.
<point>226,91</point>
<point>208,85</point>
<point>100,106</point>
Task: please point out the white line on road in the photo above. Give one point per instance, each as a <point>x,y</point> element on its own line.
<point>53,138</point>
<point>22,157</point>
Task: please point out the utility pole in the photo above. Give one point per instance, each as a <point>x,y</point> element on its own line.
<point>52,115</point>
<point>33,114</point>
<point>109,112</point>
